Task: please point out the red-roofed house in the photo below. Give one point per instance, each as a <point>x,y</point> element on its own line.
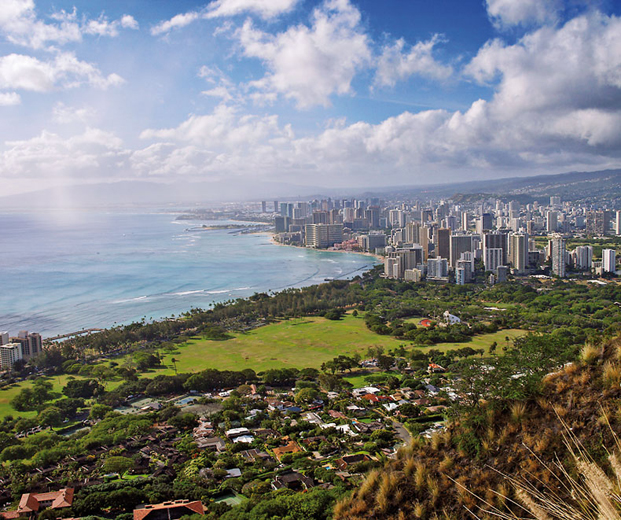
<point>32,503</point>
<point>172,510</point>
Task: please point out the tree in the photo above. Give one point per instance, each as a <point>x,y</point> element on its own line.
<point>117,464</point>
<point>51,416</point>
<point>85,388</point>
<point>306,395</point>
<point>174,362</point>
<point>99,411</point>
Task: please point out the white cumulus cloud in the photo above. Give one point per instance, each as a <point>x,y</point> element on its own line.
<point>9,99</point>
<point>396,63</point>
<point>310,63</point>
<point>264,8</point>
<point>22,72</point>
<point>21,25</point>
<point>507,13</point>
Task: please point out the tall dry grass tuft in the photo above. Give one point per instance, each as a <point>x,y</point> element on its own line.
<point>419,510</point>
<point>611,374</point>
<point>369,484</point>
<point>420,476</point>
<point>409,467</point>
<point>589,493</point>
<point>590,353</point>
<point>518,412</point>
<point>386,491</point>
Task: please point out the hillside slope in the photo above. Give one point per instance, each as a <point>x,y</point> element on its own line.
<point>469,463</point>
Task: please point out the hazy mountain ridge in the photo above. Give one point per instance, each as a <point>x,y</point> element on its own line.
<point>573,186</point>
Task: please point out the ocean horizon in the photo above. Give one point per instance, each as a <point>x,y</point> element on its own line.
<point>64,271</point>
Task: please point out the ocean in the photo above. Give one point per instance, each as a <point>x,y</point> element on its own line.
<point>63,271</point>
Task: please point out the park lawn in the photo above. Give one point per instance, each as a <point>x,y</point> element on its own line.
<point>483,341</point>
<point>58,383</point>
<point>295,343</point>
<point>359,381</point>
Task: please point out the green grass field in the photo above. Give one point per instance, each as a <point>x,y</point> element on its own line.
<point>298,343</point>
<point>58,383</point>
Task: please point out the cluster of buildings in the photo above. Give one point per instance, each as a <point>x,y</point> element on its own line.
<point>24,346</point>
<point>444,240</point>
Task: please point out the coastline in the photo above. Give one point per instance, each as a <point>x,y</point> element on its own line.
<point>273,240</point>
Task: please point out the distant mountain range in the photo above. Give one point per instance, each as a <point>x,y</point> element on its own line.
<point>574,186</point>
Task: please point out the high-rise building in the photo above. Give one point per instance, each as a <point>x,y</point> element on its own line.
<point>459,244</point>
<point>9,354</point>
<point>397,262</point>
<point>557,254</point>
<point>31,344</point>
<point>465,221</point>
<point>486,222</point>
<point>609,261</point>
<point>551,221</point>
<point>463,272</point>
<point>502,272</point>
<point>598,223</point>
<point>583,257</point>
<point>555,202</point>
<point>413,275</point>
<point>372,241</point>
<point>519,252</point>
<point>618,223</point>
<point>495,240</point>
<point>275,206</point>
<point>4,337</point>
<point>443,243</point>
<point>323,235</point>
<point>281,224</point>
<point>264,206</point>
<point>437,268</point>
<point>492,258</point>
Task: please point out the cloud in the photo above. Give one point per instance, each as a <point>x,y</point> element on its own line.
<point>103,27</point>
<point>64,114</point>
<point>508,13</point>
<point>309,64</point>
<point>9,99</point>
<point>48,155</point>
<point>21,72</point>
<point>224,128</point>
<point>396,65</point>
<point>264,8</point>
<point>20,24</point>
<point>176,22</point>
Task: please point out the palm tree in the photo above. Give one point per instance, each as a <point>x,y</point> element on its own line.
<point>174,362</point>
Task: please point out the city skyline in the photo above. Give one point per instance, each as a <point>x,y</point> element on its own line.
<point>336,93</point>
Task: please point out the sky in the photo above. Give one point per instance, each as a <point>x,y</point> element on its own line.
<point>333,93</point>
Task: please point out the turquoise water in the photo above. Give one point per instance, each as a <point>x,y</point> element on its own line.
<point>64,271</point>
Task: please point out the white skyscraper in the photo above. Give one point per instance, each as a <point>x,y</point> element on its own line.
<point>583,257</point>
<point>4,338</point>
<point>609,260</point>
<point>618,223</point>
<point>9,354</point>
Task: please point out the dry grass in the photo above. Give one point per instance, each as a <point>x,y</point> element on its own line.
<point>518,412</point>
<point>590,353</point>
<point>446,464</point>
<point>368,485</point>
<point>611,374</point>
